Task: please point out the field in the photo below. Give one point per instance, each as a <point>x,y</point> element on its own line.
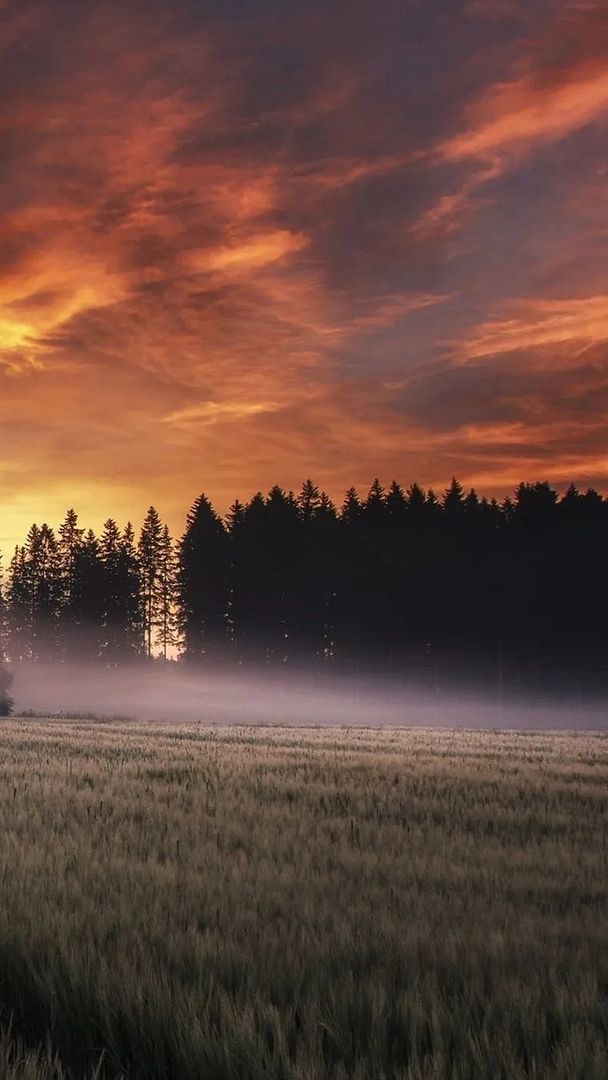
<point>280,904</point>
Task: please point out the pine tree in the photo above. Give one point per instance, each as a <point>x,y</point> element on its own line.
<point>68,546</point>
<point>203,580</point>
<point>235,517</point>
<point>415,499</point>
<point>309,500</point>
<point>122,617</point>
<point>35,595</point>
<point>432,505</point>
<point>453,498</point>
<point>396,502</point>
<point>148,557</point>
<point>351,507</point>
<point>19,607</point>
<point>88,599</point>
<point>326,510</point>
<point>130,593</point>
<point>109,553</point>
<point>235,520</point>
<point>375,504</point>
<point>165,596</point>
<point>471,503</point>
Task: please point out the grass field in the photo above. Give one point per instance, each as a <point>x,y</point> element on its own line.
<point>284,904</point>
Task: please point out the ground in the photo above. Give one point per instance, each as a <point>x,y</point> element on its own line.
<point>184,902</point>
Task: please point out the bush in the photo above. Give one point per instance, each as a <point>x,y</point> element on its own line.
<point>6,701</point>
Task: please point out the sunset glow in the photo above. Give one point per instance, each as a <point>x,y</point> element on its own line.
<point>246,243</point>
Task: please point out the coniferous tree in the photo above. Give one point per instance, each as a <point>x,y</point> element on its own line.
<point>327,530</point>
<point>34,596</point>
<point>88,599</point>
<point>351,507</point>
<point>235,519</point>
<point>415,500</point>
<point>203,583</point>
<point>453,498</point>
<point>130,593</point>
<point>309,500</point>
<point>375,503</point>
<point>250,631</point>
<point>19,607</point>
<point>109,553</point>
<point>432,505</point>
<point>68,547</point>
<point>148,557</point>
<point>165,596</point>
<point>123,637</point>
<point>281,531</point>
<point>396,502</point>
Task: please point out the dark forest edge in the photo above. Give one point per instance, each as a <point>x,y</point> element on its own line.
<point>400,581</point>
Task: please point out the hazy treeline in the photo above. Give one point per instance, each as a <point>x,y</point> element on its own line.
<point>398,577</point>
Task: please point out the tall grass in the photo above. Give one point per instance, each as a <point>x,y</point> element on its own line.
<point>197,903</point>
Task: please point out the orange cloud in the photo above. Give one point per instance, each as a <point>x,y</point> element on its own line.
<point>250,254</point>
<point>514,115</point>
<point>537,323</point>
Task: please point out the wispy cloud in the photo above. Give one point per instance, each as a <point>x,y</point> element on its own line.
<point>533,324</point>
<point>232,251</point>
<point>516,115</point>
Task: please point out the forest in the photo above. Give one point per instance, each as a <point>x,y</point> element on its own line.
<point>399,580</point>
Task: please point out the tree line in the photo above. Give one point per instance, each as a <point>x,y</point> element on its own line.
<point>399,578</point>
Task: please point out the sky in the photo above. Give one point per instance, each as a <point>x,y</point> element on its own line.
<point>244,242</point>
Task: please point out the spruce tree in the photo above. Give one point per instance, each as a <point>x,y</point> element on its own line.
<point>203,583</point>
<point>68,545</point>
<point>35,595</point>
<point>165,596</point>
<point>351,507</point>
<point>148,558</point>
<point>453,501</point>
<point>88,599</point>
<point>19,607</point>
<point>309,500</point>
<point>131,611</point>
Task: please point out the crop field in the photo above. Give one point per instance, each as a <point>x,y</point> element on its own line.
<point>184,903</point>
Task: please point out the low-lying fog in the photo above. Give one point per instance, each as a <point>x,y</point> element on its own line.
<point>284,697</point>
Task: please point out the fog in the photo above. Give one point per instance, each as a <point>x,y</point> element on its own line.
<point>170,692</point>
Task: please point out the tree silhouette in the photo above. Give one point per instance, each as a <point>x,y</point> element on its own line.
<point>88,600</point>
<point>19,607</point>
<point>148,556</point>
<point>203,583</point>
<point>69,545</point>
<point>34,596</point>
<point>165,596</point>
<point>121,620</point>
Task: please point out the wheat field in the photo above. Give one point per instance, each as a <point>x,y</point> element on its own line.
<point>293,904</point>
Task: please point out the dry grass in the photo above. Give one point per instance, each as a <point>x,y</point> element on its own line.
<point>186,903</point>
